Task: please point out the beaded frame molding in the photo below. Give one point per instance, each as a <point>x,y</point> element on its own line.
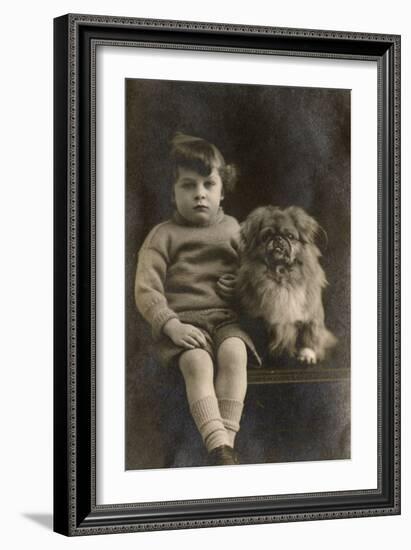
<point>76,38</point>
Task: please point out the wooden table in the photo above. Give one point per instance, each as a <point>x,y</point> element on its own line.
<point>298,375</point>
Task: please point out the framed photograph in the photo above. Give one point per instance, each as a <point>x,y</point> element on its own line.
<point>227,277</point>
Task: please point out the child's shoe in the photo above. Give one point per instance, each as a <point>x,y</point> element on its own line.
<point>223,456</point>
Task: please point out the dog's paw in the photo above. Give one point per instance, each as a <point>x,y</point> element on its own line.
<point>307,355</point>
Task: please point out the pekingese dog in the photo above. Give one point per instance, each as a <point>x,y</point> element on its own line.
<point>280,280</point>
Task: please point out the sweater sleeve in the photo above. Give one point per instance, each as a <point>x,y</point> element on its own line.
<point>235,238</point>
<point>149,289</point>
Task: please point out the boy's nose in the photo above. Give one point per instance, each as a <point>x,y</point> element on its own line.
<point>200,192</point>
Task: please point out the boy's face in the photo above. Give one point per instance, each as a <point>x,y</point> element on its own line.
<point>198,197</point>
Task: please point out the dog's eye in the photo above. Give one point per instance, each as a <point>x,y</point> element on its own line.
<point>266,234</point>
<point>291,236</point>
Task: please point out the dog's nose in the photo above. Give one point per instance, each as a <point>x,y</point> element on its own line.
<point>281,245</point>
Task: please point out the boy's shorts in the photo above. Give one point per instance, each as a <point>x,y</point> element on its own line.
<point>217,325</point>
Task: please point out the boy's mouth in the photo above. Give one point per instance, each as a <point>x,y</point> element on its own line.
<point>201,207</point>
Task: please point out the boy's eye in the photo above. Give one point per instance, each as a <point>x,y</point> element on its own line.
<point>210,183</point>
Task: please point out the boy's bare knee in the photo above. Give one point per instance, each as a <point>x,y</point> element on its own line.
<point>194,360</point>
<point>232,353</point>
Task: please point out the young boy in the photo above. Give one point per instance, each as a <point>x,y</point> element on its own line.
<point>184,289</point>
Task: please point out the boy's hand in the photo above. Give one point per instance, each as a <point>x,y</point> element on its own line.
<point>226,286</point>
<point>184,335</point>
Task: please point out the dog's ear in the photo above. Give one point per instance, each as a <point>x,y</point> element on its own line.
<point>307,226</point>
<point>250,230</point>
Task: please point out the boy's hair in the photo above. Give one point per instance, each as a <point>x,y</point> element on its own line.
<point>200,155</point>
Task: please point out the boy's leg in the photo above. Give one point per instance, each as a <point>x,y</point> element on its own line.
<point>198,373</point>
<point>231,383</point>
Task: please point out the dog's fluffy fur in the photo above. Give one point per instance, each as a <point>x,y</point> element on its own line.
<point>280,280</point>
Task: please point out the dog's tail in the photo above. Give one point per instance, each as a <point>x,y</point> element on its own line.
<point>327,341</point>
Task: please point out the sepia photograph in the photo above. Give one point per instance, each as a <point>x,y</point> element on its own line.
<point>227,275</point>
<point>237,276</point>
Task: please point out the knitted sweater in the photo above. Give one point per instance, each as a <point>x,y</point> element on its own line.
<point>179,266</point>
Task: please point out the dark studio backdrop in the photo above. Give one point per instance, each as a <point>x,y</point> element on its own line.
<point>292,147</point>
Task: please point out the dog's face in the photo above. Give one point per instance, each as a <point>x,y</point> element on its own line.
<point>279,238</point>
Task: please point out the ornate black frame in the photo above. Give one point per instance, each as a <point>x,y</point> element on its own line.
<point>75,40</point>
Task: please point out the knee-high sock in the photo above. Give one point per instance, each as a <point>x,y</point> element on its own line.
<point>231,411</point>
<point>206,415</point>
